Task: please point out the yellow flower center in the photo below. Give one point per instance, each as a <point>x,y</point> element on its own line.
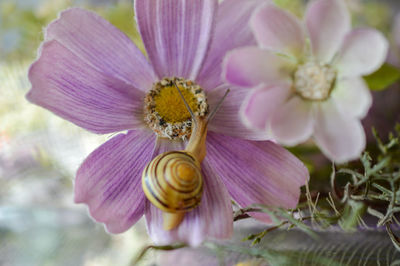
<point>165,111</point>
<point>170,106</point>
<point>314,81</point>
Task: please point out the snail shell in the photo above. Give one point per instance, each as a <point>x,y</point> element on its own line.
<point>172,182</point>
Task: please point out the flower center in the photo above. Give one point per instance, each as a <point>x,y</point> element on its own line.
<point>165,112</point>
<point>314,81</point>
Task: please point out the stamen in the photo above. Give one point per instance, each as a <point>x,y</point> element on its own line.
<point>314,81</point>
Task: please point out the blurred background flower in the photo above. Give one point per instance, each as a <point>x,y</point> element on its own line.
<point>39,152</point>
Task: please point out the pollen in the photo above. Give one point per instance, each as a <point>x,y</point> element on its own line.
<point>314,81</point>
<point>170,106</point>
<point>165,111</point>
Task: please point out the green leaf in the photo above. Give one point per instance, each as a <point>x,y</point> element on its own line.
<point>383,78</point>
<point>351,214</point>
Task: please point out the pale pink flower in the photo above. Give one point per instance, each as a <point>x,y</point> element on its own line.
<point>306,79</point>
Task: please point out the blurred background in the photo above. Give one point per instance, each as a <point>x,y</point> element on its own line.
<point>40,152</point>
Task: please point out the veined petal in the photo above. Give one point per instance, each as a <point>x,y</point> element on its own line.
<point>363,52</point>
<point>165,145</point>
<point>256,172</point>
<point>328,21</point>
<point>251,66</point>
<point>279,30</point>
<point>176,34</point>
<point>109,180</point>
<point>292,122</point>
<point>227,120</point>
<point>340,137</point>
<point>232,31</point>
<point>102,46</point>
<point>213,218</point>
<point>352,97</point>
<point>74,90</point>
<point>260,105</point>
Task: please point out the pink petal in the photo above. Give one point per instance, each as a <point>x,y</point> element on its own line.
<point>227,120</point>
<point>279,30</point>
<point>213,218</point>
<point>176,34</point>
<point>231,31</point>
<point>109,180</point>
<point>260,105</point>
<point>340,137</point>
<point>165,145</point>
<point>363,52</point>
<point>292,123</point>
<point>352,97</point>
<point>256,172</point>
<point>102,46</point>
<point>328,21</point>
<point>68,86</point>
<point>251,66</point>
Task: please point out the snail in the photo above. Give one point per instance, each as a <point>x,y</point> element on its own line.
<point>173,181</point>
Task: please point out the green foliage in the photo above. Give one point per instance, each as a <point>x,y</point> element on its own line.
<point>122,17</point>
<point>374,13</point>
<point>281,217</point>
<point>351,215</point>
<point>374,190</point>
<point>27,24</point>
<point>378,186</point>
<point>383,78</point>
<point>295,6</point>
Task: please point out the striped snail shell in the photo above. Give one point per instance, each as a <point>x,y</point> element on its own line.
<point>172,182</point>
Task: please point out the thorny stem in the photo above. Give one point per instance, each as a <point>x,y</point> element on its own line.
<point>395,239</point>
<point>259,236</point>
<point>243,213</point>
<point>389,212</point>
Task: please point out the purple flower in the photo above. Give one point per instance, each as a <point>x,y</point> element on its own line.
<point>308,82</point>
<point>91,74</point>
